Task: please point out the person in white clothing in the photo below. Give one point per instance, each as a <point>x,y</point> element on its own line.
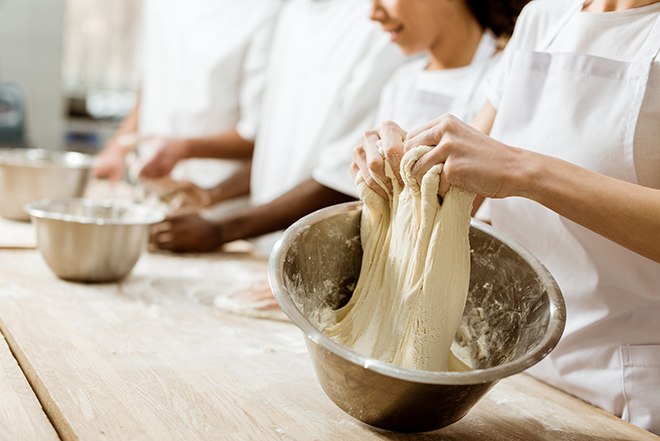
<point>202,65</point>
<point>461,41</point>
<point>568,148</point>
<point>328,65</point>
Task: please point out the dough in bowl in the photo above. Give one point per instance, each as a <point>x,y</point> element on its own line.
<point>415,273</point>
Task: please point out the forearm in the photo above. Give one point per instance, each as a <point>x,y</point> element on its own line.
<point>128,127</point>
<point>227,145</point>
<point>625,213</point>
<point>236,185</point>
<point>307,197</point>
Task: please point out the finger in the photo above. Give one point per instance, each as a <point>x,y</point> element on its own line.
<point>360,160</point>
<point>424,127</point>
<point>443,185</point>
<point>355,170</point>
<point>392,137</point>
<point>431,133</point>
<point>375,160</point>
<point>424,164</point>
<point>162,226</point>
<point>150,170</point>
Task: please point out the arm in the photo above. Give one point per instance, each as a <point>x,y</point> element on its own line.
<point>303,199</point>
<point>191,232</point>
<point>227,145</point>
<point>114,153</point>
<point>625,213</point>
<point>236,185</point>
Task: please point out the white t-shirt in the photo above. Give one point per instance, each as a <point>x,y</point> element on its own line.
<point>203,65</point>
<point>616,35</point>
<point>329,63</point>
<point>415,96</point>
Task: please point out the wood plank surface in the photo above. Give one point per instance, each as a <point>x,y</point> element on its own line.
<point>151,358</point>
<point>21,415</point>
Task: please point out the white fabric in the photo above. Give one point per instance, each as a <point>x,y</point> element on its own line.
<point>415,273</point>
<point>592,111</point>
<point>614,35</point>
<point>415,95</point>
<point>329,64</point>
<point>203,66</point>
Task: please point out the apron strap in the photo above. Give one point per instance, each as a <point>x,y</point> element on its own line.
<point>651,47</point>
<point>574,8</point>
<point>478,66</point>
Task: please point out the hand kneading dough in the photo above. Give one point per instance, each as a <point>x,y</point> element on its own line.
<point>415,273</point>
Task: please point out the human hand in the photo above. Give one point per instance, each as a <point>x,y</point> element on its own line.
<point>111,166</point>
<point>170,151</point>
<point>179,194</point>
<point>368,160</point>
<point>187,233</point>
<point>471,159</point>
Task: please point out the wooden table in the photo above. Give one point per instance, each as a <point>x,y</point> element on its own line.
<point>152,358</point>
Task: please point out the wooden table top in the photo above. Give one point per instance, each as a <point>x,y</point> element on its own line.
<point>152,358</point>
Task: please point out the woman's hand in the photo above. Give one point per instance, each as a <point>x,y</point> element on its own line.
<point>368,160</point>
<point>111,165</point>
<point>179,194</point>
<point>170,151</point>
<point>471,159</point>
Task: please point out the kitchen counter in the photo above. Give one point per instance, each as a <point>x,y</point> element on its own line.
<point>153,358</point>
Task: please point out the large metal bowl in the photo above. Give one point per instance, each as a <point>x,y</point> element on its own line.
<point>91,241</point>
<point>513,318</point>
<point>27,175</point>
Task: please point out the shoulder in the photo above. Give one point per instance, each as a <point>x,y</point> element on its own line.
<point>537,19</point>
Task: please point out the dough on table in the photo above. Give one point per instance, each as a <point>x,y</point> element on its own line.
<point>415,273</point>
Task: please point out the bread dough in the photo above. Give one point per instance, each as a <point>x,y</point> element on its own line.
<point>415,273</point>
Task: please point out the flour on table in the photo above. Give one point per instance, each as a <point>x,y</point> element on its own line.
<point>256,301</point>
<point>409,299</point>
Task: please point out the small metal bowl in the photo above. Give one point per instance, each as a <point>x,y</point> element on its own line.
<point>91,241</point>
<point>513,318</point>
<point>28,175</point>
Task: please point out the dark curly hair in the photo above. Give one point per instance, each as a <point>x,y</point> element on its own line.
<point>497,15</point>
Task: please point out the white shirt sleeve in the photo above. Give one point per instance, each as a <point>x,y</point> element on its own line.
<point>254,78</point>
<point>359,110</point>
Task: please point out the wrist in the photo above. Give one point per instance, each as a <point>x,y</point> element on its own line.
<point>218,236</point>
<point>531,175</point>
<point>229,229</point>
<point>187,148</point>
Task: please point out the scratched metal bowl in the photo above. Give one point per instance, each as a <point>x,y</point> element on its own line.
<point>91,241</point>
<point>28,175</point>
<point>513,318</point>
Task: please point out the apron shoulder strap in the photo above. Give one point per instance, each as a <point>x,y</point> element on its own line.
<point>651,47</point>
<point>573,8</point>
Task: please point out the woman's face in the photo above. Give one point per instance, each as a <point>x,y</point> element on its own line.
<point>415,25</point>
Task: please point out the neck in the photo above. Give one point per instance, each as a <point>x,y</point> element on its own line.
<point>615,5</point>
<point>457,52</point>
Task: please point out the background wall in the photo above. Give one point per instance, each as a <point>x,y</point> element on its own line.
<point>30,55</point>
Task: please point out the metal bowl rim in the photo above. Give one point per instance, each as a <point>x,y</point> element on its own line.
<point>44,158</point>
<point>147,215</point>
<point>543,347</point>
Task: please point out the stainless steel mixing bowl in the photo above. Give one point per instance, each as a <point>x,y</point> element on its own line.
<point>27,175</point>
<point>91,241</point>
<point>513,318</point>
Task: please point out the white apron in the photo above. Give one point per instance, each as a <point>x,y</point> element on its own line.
<point>584,109</point>
<point>415,107</point>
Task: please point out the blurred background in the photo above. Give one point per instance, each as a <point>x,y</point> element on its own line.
<point>67,71</point>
